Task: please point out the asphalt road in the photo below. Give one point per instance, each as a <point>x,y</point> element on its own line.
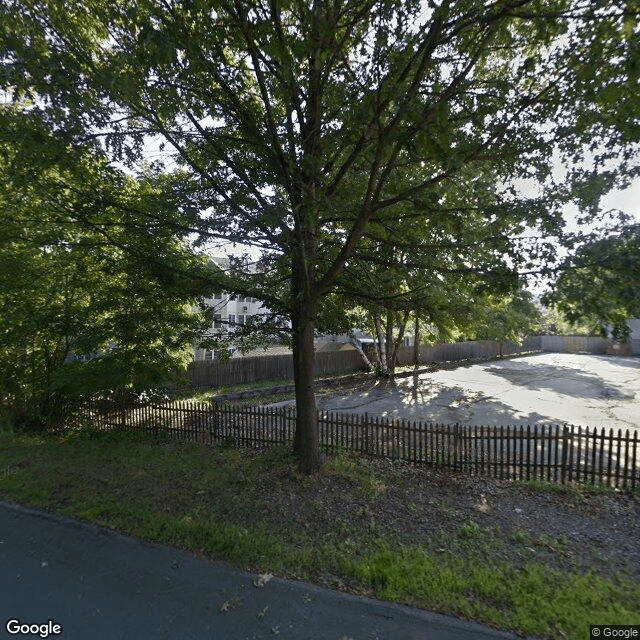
<point>99,585</point>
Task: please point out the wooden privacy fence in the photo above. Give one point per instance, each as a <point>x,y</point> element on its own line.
<point>480,349</point>
<point>247,370</point>
<point>553,453</point>
<point>573,344</point>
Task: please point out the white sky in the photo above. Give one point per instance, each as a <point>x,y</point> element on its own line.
<point>627,200</point>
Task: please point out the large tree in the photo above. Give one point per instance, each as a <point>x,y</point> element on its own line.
<point>301,127</point>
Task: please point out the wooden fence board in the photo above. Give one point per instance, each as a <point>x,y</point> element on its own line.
<point>247,370</point>
<point>554,453</point>
<point>280,367</point>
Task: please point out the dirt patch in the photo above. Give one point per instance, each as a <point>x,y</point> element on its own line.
<point>562,528</point>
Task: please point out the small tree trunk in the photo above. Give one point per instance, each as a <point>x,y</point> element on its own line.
<point>416,342</point>
<point>398,341</point>
<point>380,343</point>
<point>356,343</point>
<point>390,353</point>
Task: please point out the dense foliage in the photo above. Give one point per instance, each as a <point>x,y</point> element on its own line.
<point>83,310</point>
<point>599,283</point>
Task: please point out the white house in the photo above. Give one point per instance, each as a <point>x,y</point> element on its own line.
<point>229,311</point>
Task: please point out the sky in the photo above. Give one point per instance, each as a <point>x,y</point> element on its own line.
<point>627,200</point>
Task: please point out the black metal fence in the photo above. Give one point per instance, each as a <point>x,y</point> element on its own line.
<point>555,453</point>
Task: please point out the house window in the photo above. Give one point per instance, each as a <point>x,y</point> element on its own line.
<point>217,321</point>
<point>240,319</point>
<point>232,319</point>
<point>217,296</point>
<point>208,355</point>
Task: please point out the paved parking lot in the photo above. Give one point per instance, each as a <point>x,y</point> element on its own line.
<point>586,390</point>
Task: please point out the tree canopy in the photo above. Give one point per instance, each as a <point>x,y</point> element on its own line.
<point>599,283</point>
<point>323,133</point>
<point>83,309</point>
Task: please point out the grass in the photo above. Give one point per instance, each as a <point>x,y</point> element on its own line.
<point>323,382</point>
<point>253,509</point>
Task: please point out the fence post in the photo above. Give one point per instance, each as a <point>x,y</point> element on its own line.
<point>565,447</point>
<point>456,444</point>
<point>156,430</point>
<point>214,423</point>
<point>366,432</point>
<point>634,467</point>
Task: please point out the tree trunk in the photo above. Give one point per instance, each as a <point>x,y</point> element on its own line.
<point>303,323</point>
<point>390,354</point>
<point>398,341</point>
<point>380,344</point>
<point>307,442</point>
<point>416,342</point>
<point>356,343</point>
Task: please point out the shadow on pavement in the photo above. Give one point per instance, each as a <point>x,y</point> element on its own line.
<point>633,362</point>
<point>561,380</point>
<point>417,399</point>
